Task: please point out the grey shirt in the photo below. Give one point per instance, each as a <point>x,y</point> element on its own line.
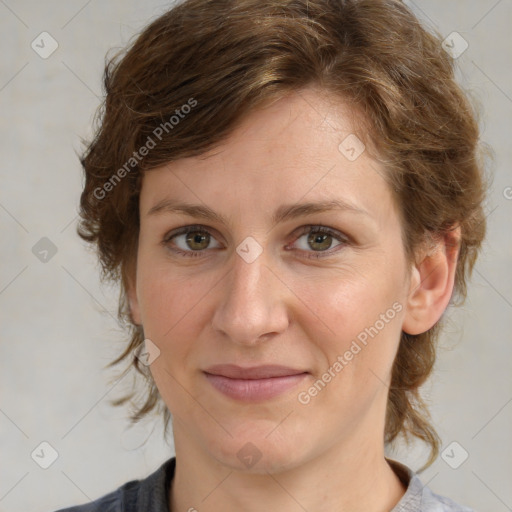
<point>152,494</point>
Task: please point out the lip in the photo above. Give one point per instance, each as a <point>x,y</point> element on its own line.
<point>255,383</point>
<point>234,371</point>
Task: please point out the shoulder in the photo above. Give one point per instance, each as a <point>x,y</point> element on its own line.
<point>419,497</point>
<point>112,502</point>
<point>433,502</point>
<point>150,494</point>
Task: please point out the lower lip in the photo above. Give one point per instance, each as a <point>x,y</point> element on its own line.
<point>254,390</point>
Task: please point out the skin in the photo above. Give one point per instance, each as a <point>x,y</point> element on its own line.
<point>282,308</point>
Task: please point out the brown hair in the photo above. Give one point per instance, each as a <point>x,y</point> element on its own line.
<point>223,58</point>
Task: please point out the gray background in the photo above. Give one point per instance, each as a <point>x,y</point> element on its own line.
<point>57,323</point>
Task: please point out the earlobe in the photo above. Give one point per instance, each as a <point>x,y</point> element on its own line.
<point>432,282</point>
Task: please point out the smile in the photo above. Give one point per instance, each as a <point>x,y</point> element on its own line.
<point>254,384</point>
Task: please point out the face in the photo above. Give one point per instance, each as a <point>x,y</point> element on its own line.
<point>234,269</point>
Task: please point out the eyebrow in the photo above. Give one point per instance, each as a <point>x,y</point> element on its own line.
<point>283,213</point>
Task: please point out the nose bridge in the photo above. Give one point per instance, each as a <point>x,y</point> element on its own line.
<point>251,304</point>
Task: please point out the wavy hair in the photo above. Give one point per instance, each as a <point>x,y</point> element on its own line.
<point>234,56</point>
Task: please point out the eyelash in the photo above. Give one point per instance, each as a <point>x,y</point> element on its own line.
<point>310,229</point>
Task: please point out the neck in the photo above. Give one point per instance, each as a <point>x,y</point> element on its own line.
<point>343,479</point>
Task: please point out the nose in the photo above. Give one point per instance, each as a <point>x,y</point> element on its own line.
<point>253,303</point>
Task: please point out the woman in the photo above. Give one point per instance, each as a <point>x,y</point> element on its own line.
<point>290,195</point>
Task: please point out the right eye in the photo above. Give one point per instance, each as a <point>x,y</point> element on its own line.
<point>189,241</point>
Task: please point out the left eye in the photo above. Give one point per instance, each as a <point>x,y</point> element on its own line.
<point>194,240</point>
<point>320,239</point>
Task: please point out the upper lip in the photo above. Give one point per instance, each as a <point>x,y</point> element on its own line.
<point>254,372</point>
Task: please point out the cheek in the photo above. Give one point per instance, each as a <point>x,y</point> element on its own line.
<point>356,328</point>
<point>168,301</point>
<point>356,343</point>
<point>171,310</point>
<point>342,306</point>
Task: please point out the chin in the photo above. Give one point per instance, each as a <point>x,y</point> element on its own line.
<point>260,453</point>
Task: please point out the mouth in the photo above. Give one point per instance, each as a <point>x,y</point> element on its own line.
<point>253,384</point>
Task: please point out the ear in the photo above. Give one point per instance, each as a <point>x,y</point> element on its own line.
<point>432,281</point>
<point>131,293</point>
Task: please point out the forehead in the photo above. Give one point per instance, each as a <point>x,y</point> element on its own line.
<point>302,147</point>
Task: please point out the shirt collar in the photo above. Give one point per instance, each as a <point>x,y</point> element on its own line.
<point>412,500</point>
<point>153,495</point>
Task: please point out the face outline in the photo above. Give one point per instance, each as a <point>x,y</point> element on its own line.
<point>282,308</point>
